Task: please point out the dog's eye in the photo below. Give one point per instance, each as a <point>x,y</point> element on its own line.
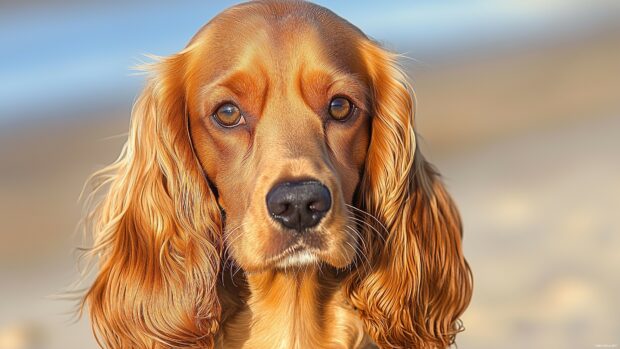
<point>340,108</point>
<point>229,115</point>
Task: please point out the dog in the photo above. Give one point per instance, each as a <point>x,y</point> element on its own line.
<point>271,195</point>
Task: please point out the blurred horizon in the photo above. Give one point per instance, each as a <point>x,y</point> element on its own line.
<point>113,37</point>
<point>518,105</point>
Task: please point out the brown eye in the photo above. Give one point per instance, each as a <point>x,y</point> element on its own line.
<point>229,115</point>
<point>340,108</point>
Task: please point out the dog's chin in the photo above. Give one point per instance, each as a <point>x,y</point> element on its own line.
<point>306,258</point>
<point>296,259</point>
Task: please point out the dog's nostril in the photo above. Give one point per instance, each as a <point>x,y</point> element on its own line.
<point>320,205</point>
<point>299,205</point>
<point>280,208</point>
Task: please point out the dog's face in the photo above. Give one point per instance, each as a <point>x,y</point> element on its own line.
<point>281,127</point>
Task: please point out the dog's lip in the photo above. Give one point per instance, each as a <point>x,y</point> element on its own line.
<point>290,251</point>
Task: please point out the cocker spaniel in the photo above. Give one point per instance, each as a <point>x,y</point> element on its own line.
<point>271,195</point>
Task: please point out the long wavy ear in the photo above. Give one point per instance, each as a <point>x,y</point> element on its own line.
<point>419,282</point>
<point>157,231</point>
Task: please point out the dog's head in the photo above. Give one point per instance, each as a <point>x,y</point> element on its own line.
<point>279,118</point>
<point>281,136</point>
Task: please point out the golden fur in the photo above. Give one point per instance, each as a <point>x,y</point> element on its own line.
<point>188,256</point>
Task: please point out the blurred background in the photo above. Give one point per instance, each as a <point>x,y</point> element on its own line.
<point>519,107</point>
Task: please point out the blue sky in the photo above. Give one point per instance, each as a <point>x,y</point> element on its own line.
<point>57,58</point>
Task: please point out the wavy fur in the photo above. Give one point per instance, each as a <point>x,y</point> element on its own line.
<point>419,283</point>
<point>156,233</point>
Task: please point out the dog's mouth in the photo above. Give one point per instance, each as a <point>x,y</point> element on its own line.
<point>271,249</point>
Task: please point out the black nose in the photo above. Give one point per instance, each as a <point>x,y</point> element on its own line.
<point>299,205</point>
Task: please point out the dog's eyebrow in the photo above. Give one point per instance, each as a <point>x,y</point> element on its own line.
<point>239,82</point>
<point>330,83</point>
<point>349,83</point>
<point>242,83</point>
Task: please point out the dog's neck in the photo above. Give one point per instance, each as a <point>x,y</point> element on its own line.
<point>302,308</point>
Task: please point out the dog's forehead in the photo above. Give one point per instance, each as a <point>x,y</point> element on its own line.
<point>277,35</point>
<point>245,17</point>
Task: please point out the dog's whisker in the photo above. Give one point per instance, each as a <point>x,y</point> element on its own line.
<point>366,248</point>
<point>229,239</point>
<point>369,215</point>
<point>363,222</point>
<point>343,256</point>
<point>358,235</point>
<point>380,234</point>
<point>365,264</point>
